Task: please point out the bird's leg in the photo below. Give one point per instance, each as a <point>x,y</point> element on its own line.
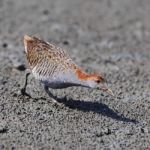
<point>23,90</point>
<point>50,94</point>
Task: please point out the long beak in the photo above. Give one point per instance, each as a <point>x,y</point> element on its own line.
<point>107,90</point>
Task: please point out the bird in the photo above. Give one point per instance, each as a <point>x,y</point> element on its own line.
<point>54,67</point>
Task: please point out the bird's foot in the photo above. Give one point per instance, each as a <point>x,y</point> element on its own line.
<point>24,93</point>
<point>55,101</point>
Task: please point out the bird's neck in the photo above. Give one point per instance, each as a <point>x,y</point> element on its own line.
<point>83,76</point>
<point>84,79</point>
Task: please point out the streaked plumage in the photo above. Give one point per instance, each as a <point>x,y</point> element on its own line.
<point>55,68</point>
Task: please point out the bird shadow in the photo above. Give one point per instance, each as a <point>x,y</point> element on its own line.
<point>95,107</point>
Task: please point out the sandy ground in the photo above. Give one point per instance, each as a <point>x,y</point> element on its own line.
<point>108,36</point>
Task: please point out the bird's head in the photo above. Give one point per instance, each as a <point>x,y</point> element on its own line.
<point>95,81</point>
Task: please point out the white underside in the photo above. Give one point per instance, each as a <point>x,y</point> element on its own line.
<point>58,80</point>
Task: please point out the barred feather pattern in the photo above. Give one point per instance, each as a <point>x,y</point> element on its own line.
<point>49,62</point>
<point>54,67</point>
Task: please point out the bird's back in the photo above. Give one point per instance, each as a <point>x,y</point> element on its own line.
<point>48,62</point>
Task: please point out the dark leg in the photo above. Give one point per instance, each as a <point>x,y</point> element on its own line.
<point>50,94</point>
<point>23,90</point>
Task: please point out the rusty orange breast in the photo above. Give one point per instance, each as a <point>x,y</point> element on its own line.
<point>84,76</point>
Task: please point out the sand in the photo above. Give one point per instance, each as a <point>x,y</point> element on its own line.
<point>110,37</point>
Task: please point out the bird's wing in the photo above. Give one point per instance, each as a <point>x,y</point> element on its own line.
<point>52,67</point>
<point>46,46</point>
<point>50,59</point>
<point>53,53</point>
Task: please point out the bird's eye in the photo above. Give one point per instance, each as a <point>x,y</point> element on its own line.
<point>98,81</point>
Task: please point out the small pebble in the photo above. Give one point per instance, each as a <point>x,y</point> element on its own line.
<point>65,42</point>
<point>17,62</point>
<point>3,128</point>
<point>21,67</point>
<point>5,45</point>
<point>45,12</point>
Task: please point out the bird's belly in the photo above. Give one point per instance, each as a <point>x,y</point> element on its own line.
<point>58,85</point>
<point>58,80</point>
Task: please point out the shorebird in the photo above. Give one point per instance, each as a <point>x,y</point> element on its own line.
<point>54,67</point>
